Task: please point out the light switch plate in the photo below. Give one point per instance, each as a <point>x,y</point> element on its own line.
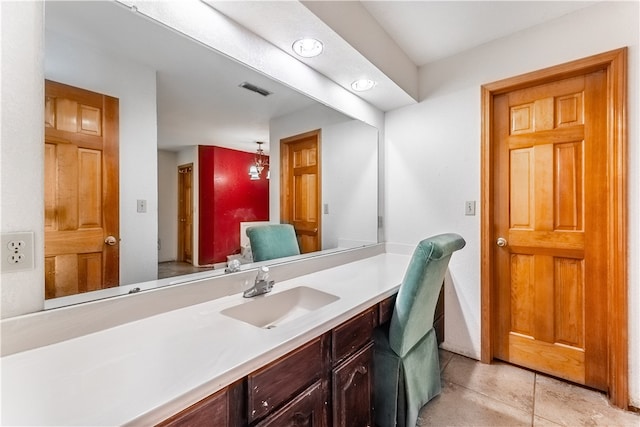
<point>470,208</point>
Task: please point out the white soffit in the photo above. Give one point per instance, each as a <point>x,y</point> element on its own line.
<point>282,22</point>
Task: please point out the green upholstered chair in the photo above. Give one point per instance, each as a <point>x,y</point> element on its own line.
<point>406,364</point>
<point>272,241</point>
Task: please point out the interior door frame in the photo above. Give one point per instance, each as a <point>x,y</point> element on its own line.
<point>614,64</point>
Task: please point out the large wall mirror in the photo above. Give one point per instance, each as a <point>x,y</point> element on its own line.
<point>176,95</point>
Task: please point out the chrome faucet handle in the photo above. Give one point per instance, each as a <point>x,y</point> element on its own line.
<point>233,266</point>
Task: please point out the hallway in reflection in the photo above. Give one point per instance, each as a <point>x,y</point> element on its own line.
<point>177,268</point>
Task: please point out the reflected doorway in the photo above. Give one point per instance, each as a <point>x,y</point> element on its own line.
<point>185,213</point>
<point>81,194</point>
<point>300,188</point>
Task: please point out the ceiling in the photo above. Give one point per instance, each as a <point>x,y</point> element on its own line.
<point>386,41</point>
<point>431,30</point>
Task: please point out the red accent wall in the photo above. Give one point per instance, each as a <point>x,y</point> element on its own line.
<point>227,197</point>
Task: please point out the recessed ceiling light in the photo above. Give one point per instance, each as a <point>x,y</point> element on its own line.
<point>307,47</point>
<point>362,84</point>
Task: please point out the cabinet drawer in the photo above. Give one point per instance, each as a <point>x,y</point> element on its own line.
<point>277,382</point>
<point>307,409</point>
<point>385,309</point>
<point>210,412</point>
<point>353,334</point>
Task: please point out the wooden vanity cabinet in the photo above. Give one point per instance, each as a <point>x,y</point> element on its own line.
<point>326,382</point>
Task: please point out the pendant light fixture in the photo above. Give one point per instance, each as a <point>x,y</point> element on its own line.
<point>261,161</point>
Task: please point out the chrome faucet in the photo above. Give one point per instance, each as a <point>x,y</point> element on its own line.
<point>233,266</point>
<point>262,284</point>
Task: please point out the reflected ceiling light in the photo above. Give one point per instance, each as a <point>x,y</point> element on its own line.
<point>307,47</point>
<point>260,162</point>
<point>362,84</point>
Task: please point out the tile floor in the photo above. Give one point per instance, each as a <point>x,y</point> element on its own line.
<point>476,394</point>
<point>176,268</point>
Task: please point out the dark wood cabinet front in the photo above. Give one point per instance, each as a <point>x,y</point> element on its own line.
<point>281,380</point>
<point>306,410</point>
<point>352,391</point>
<point>327,382</point>
<point>211,411</point>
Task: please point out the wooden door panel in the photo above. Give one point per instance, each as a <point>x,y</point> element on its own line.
<point>546,155</point>
<point>568,180</point>
<point>81,190</point>
<point>89,188</point>
<point>568,297</point>
<point>300,188</point>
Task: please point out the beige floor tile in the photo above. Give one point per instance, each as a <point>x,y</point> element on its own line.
<point>541,422</point>
<point>445,357</point>
<point>571,405</point>
<point>501,381</point>
<point>458,406</point>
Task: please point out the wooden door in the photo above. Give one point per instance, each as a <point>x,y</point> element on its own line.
<point>81,191</point>
<point>352,390</point>
<point>550,193</point>
<point>300,188</point>
<point>185,213</point>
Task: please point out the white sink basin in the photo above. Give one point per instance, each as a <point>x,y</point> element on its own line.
<point>268,311</point>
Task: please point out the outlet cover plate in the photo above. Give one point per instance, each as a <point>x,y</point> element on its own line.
<point>16,251</point>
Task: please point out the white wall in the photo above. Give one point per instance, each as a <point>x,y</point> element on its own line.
<point>167,205</point>
<point>350,184</point>
<point>348,147</point>
<point>78,64</point>
<point>433,164</point>
<point>21,139</point>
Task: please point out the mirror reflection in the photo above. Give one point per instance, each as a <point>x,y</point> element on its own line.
<point>187,135</point>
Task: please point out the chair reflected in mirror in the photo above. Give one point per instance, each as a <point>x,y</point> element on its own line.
<point>406,363</point>
<point>272,241</point>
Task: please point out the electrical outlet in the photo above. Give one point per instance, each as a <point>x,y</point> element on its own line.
<point>17,251</point>
<point>141,206</point>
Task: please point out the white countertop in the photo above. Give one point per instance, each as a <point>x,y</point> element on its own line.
<point>142,372</point>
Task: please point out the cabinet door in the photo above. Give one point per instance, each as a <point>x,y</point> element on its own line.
<point>353,390</point>
<point>306,410</point>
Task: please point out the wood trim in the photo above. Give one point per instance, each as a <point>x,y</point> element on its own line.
<point>111,188</point>
<point>614,63</point>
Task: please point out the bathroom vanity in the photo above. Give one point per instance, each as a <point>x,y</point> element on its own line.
<point>227,359</point>
<point>328,378</point>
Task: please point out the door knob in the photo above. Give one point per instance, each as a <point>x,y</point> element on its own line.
<point>111,241</point>
<point>502,242</point>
